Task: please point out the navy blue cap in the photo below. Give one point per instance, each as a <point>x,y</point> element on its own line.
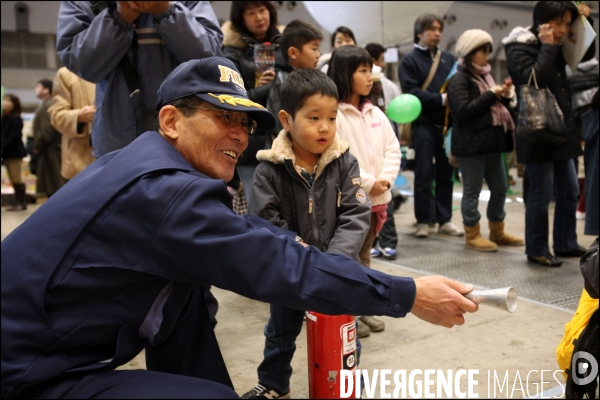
<point>217,81</point>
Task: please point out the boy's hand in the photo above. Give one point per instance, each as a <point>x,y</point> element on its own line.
<point>379,187</point>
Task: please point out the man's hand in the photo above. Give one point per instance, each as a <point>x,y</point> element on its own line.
<point>440,301</point>
<point>379,187</point>
<point>128,11</point>
<point>86,114</point>
<point>152,7</point>
<point>266,78</point>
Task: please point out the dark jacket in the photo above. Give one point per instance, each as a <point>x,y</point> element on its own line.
<point>105,268</point>
<point>47,140</point>
<point>473,132</point>
<point>93,46</point>
<point>328,214</point>
<point>12,137</point>
<point>240,50</point>
<point>523,52</point>
<point>412,72</point>
<point>590,270</point>
<point>282,70</point>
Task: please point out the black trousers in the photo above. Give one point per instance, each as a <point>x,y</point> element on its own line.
<point>188,365</point>
<point>388,237</point>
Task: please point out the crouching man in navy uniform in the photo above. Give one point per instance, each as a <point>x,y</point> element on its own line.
<point>113,262</point>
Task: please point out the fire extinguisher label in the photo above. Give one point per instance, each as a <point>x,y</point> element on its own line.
<point>348,333</point>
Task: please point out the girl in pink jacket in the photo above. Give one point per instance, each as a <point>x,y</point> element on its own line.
<point>371,138</point>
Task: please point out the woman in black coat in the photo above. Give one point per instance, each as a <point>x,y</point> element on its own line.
<point>482,129</point>
<point>251,23</point>
<point>538,48</point>
<point>13,149</point>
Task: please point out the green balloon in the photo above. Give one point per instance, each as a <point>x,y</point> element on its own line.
<point>404,108</point>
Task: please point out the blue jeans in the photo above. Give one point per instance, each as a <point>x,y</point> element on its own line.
<point>474,170</point>
<point>542,178</point>
<point>281,332</point>
<point>429,144</point>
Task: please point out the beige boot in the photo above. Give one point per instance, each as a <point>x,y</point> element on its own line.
<point>501,238</point>
<point>475,241</point>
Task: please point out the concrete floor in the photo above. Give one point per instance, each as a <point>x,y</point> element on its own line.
<point>518,346</point>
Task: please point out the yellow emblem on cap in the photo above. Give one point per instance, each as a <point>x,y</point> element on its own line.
<point>235,101</point>
<point>229,75</point>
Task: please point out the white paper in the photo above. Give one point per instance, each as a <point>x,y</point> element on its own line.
<point>576,43</point>
<point>391,55</point>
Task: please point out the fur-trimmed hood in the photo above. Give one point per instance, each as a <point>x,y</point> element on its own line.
<point>521,35</point>
<point>233,38</point>
<point>282,150</point>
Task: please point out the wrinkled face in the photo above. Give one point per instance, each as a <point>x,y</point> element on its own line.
<point>560,27</point>
<point>362,82</point>
<point>431,36</point>
<point>7,105</point>
<point>313,128</point>
<point>257,21</point>
<point>210,145</point>
<point>481,57</point>
<point>342,39</point>
<point>309,56</point>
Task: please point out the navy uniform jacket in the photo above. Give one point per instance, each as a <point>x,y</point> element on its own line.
<point>106,266</point>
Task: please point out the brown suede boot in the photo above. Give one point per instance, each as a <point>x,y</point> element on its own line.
<point>475,241</point>
<point>501,238</point>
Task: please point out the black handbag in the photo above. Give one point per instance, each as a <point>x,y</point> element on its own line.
<point>540,119</point>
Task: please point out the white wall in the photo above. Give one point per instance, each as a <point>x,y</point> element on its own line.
<point>43,15</point>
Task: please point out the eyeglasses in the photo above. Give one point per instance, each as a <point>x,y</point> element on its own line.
<point>227,117</point>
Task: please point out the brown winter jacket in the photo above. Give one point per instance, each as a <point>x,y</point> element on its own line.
<point>71,93</point>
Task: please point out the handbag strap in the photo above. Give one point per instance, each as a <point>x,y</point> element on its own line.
<point>532,74</point>
<point>434,66</point>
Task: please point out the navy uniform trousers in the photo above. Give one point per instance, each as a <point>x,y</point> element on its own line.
<point>186,372</point>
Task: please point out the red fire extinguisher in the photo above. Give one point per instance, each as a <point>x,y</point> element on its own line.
<point>331,343</point>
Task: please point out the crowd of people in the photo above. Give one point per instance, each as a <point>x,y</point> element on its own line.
<point>157,105</point>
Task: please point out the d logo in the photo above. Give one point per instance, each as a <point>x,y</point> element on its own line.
<point>579,367</point>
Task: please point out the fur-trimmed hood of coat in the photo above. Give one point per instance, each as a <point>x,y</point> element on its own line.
<point>282,150</point>
<point>521,35</point>
<point>233,38</point>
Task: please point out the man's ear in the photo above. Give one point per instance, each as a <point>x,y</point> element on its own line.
<point>285,120</point>
<point>168,117</point>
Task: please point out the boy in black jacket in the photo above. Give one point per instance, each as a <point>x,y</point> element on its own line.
<point>299,46</point>
<point>310,183</point>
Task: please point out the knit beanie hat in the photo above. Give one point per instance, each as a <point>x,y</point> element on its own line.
<point>470,40</point>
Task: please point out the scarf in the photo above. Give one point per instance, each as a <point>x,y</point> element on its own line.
<point>500,114</point>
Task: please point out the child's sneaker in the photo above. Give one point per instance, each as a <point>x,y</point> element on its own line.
<point>375,252</point>
<point>262,392</point>
<point>388,253</point>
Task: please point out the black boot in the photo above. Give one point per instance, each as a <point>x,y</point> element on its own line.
<point>20,203</point>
